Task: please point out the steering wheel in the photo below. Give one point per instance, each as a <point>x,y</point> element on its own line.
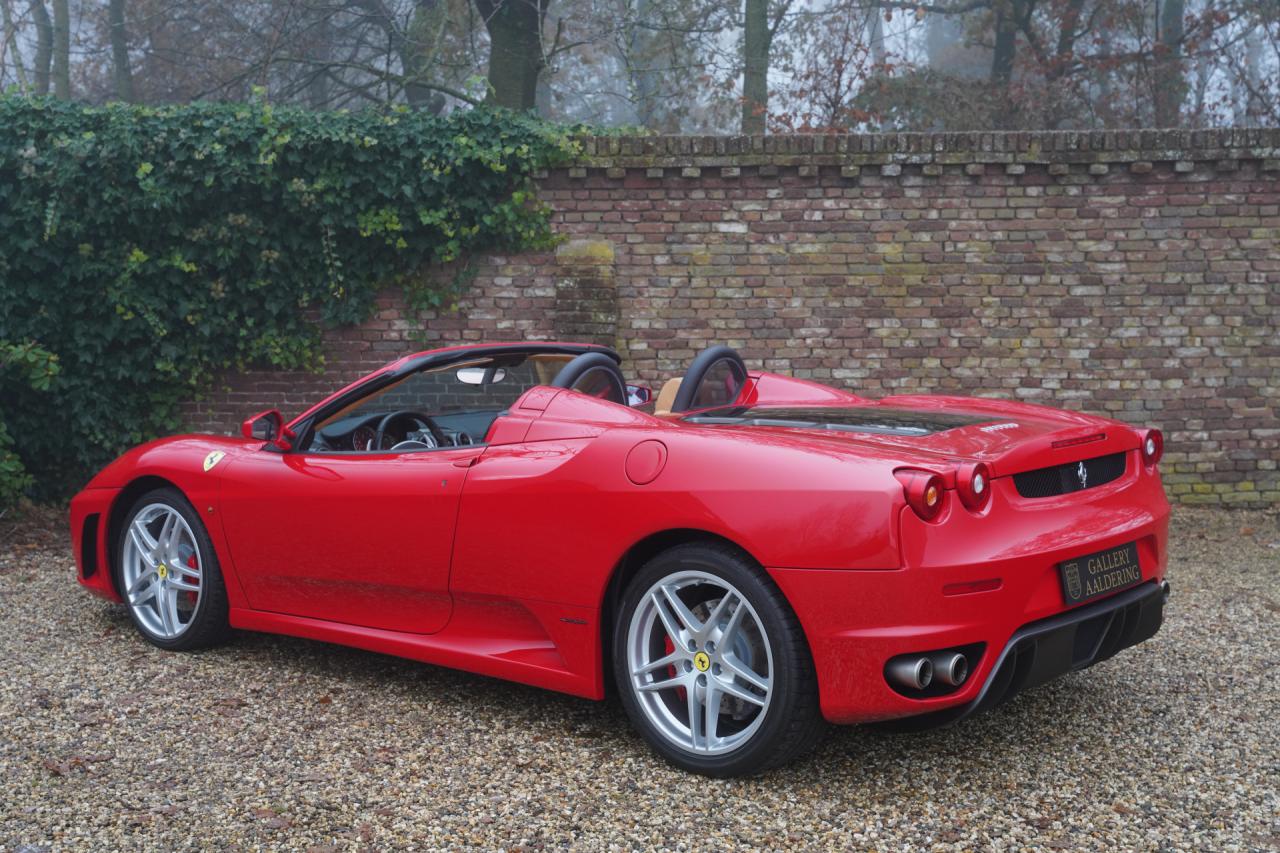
<point>438,439</point>
<point>596,367</point>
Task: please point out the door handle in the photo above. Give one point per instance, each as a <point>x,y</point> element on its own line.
<point>466,463</point>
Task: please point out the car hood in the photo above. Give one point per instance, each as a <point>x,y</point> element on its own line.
<point>1009,437</point>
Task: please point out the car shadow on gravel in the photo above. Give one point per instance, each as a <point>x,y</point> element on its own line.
<point>1056,718</point>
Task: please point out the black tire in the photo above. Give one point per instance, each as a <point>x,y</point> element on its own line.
<point>208,623</point>
<point>792,723</point>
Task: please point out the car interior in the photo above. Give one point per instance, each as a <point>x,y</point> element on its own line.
<point>458,404</point>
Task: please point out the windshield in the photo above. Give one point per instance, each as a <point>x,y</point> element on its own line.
<point>461,401</point>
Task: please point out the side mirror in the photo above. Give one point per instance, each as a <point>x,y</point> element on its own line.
<point>639,396</point>
<point>268,426</point>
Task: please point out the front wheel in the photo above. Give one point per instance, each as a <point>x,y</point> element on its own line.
<point>712,665</point>
<point>168,574</point>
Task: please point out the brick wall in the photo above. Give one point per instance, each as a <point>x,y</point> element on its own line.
<point>1131,274</point>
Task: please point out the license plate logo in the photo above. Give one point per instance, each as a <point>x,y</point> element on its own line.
<point>1095,575</point>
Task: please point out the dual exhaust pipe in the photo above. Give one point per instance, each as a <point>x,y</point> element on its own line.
<point>916,672</point>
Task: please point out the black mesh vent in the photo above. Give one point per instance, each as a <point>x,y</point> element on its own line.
<point>1062,479</point>
<point>89,545</point>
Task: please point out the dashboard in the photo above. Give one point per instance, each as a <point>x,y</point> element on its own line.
<point>359,433</point>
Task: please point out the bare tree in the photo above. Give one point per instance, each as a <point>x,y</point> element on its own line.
<point>755,74</point>
<point>122,73</point>
<point>676,65</point>
<point>516,55</point>
<point>61,49</point>
<point>759,29</point>
<point>44,46</point>
<point>9,50</point>
<point>1170,78</point>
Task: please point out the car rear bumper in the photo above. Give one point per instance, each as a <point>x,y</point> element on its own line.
<point>1070,641</point>
<point>988,584</point>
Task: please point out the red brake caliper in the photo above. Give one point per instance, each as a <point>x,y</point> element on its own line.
<point>192,563</point>
<point>668,648</point>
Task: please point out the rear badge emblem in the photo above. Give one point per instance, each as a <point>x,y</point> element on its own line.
<point>213,459</point>
<point>1071,571</point>
<point>1082,474</point>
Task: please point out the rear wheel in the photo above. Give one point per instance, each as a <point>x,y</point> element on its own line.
<point>712,665</point>
<point>168,574</point>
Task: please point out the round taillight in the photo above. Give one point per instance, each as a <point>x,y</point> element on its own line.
<point>1152,446</point>
<point>973,484</point>
<point>923,491</point>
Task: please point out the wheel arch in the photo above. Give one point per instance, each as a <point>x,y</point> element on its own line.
<point>135,489</point>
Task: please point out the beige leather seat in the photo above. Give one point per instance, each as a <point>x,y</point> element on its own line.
<point>667,396</point>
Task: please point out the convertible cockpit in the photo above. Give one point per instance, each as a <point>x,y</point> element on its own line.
<point>454,398</point>
<point>455,403</point>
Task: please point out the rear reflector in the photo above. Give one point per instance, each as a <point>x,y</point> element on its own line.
<point>969,587</point>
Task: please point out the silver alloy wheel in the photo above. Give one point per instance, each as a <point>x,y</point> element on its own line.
<point>161,571</point>
<point>700,663</point>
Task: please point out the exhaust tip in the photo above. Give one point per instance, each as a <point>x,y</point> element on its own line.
<point>1164,591</point>
<point>911,673</point>
<point>951,668</point>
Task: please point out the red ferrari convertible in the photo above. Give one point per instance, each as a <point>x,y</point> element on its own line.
<point>744,557</point>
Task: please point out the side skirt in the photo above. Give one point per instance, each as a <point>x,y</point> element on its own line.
<point>542,644</point>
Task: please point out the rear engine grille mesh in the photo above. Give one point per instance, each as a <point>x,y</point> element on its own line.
<point>1071,477</point>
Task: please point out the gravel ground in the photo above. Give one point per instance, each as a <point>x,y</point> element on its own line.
<point>276,743</point>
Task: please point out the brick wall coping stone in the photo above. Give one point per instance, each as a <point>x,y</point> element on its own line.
<point>1068,146</point>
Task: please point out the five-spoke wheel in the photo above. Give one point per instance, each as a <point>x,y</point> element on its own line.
<point>161,568</point>
<point>700,661</point>
<point>712,666</point>
<point>169,575</point>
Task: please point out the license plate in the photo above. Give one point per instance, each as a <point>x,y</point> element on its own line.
<point>1095,575</point>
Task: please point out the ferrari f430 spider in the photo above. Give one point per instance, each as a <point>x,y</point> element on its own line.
<point>742,558</point>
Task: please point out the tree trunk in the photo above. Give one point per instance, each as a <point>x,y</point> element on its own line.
<point>120,51</point>
<point>416,50</point>
<point>321,53</point>
<point>44,45</point>
<point>643,51</point>
<point>9,49</point>
<point>755,66</point>
<point>1255,108</point>
<point>542,97</point>
<point>515,50</point>
<point>1006,47</point>
<point>61,50</point>
<point>875,37</point>
<point>1002,59</point>
<point>1170,79</point>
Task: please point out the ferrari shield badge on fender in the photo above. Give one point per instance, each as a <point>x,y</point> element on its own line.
<point>213,459</point>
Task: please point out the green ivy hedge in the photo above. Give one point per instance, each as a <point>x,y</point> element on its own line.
<point>148,248</point>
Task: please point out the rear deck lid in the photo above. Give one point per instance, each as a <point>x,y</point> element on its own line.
<point>1010,437</point>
